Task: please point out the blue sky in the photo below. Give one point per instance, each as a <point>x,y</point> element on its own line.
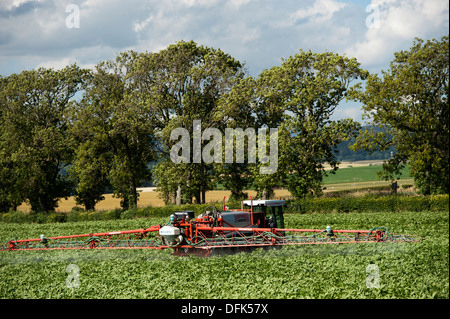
<point>35,33</point>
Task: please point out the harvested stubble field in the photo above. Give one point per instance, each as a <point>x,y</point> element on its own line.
<point>147,197</point>
<point>352,176</point>
<point>151,198</point>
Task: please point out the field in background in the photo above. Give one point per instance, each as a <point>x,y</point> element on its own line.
<point>352,173</point>
<point>351,176</point>
<point>362,175</point>
<point>149,197</point>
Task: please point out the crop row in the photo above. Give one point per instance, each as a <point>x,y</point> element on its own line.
<point>385,270</point>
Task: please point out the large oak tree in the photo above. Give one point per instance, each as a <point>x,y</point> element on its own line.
<point>299,97</point>
<point>34,141</point>
<point>410,101</point>
<point>184,83</point>
<point>115,132</point>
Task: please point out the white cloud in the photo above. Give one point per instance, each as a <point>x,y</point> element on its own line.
<point>192,3</point>
<point>347,110</point>
<point>57,64</point>
<point>243,33</point>
<point>12,4</point>
<point>238,3</point>
<point>399,23</point>
<point>139,26</point>
<point>86,58</point>
<point>207,3</point>
<point>259,32</point>
<point>319,12</point>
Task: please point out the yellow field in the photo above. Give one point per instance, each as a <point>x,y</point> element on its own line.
<point>362,185</point>
<point>146,198</point>
<point>150,198</point>
<point>356,164</point>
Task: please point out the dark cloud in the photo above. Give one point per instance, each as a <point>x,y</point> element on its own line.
<point>20,9</point>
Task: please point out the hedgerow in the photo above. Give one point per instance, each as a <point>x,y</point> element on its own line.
<point>343,204</point>
<point>370,203</point>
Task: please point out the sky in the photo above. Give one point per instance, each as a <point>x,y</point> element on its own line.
<point>259,33</point>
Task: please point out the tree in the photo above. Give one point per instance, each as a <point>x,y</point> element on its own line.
<point>11,195</point>
<point>410,101</point>
<point>299,98</point>
<point>183,84</point>
<point>237,115</point>
<point>115,131</point>
<point>33,135</point>
<point>89,171</point>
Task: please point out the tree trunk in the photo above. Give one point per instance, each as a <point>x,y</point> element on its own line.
<point>203,193</point>
<point>203,199</point>
<point>178,197</point>
<point>264,195</point>
<point>133,195</point>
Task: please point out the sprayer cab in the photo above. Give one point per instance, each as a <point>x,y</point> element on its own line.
<point>269,210</point>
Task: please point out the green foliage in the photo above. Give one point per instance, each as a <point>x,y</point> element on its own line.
<point>184,83</point>
<point>410,101</point>
<point>34,143</point>
<point>115,130</point>
<point>89,171</point>
<point>406,270</point>
<point>116,135</point>
<point>299,97</point>
<point>370,203</point>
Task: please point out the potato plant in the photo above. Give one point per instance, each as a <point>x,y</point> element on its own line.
<point>384,270</point>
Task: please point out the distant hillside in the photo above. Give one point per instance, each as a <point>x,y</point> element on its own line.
<point>347,155</point>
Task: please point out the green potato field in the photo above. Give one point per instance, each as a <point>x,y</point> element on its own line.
<point>345,271</point>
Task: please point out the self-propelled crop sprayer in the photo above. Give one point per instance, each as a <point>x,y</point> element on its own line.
<point>259,223</point>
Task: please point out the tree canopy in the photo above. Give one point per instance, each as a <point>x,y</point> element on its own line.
<point>34,142</point>
<point>174,115</point>
<point>410,101</point>
<point>115,131</point>
<point>300,97</point>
